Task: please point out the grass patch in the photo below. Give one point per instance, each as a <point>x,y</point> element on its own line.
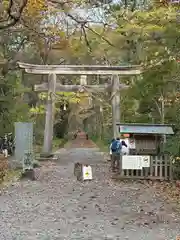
<point>102,144</point>
<point>11,176</point>
<point>103,147</point>
<point>56,144</point>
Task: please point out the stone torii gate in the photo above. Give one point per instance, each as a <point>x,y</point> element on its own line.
<point>83,70</point>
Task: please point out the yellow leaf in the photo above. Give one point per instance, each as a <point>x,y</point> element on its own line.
<point>35,8</point>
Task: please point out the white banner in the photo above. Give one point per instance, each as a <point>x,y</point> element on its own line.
<point>135,162</point>
<point>131,162</point>
<point>87,172</point>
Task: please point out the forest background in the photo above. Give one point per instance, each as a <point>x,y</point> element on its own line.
<point>124,32</point>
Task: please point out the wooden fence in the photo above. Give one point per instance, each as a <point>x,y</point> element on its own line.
<point>160,169</point>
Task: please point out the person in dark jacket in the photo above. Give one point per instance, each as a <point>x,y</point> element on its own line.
<point>116,148</point>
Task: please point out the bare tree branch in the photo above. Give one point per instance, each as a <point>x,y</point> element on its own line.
<point>83,23</point>
<point>86,40</point>
<point>85,26</point>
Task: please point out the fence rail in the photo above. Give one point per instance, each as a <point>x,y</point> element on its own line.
<point>160,169</point>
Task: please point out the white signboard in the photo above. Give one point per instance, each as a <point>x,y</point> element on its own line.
<point>131,162</point>
<point>135,162</point>
<point>87,172</point>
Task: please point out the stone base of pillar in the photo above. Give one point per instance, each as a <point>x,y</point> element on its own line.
<point>28,174</point>
<point>46,155</point>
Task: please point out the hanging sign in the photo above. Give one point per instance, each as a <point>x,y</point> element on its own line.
<point>145,161</point>
<point>132,143</point>
<point>87,172</point>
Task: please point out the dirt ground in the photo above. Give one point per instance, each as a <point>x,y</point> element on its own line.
<point>58,207</point>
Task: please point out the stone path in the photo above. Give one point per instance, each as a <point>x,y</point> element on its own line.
<point>57,207</point>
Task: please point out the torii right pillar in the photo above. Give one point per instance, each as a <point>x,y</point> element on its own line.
<point>115,103</point>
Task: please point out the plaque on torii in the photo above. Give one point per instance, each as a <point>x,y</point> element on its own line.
<point>83,70</point>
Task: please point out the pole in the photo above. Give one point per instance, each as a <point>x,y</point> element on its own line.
<point>49,122</point>
<point>83,82</point>
<point>115,102</point>
<point>163,120</point>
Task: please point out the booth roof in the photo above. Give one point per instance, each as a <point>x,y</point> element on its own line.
<point>162,129</point>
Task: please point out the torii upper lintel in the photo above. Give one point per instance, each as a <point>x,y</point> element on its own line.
<point>81,69</point>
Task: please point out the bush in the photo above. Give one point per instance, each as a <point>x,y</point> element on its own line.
<point>173,149</point>
<point>3,167</point>
<point>176,168</point>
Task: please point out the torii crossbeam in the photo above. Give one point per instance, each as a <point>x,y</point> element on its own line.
<point>83,70</point>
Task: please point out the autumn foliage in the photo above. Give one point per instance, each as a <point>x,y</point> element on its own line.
<point>35,8</point>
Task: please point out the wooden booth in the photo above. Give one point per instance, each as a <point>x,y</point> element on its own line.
<point>145,139</point>
<point>145,157</point>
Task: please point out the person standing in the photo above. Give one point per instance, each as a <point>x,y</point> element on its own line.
<point>125,148</point>
<point>120,153</point>
<point>116,153</point>
<point>110,150</point>
<point>115,148</point>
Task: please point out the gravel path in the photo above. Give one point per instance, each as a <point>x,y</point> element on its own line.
<point>57,207</point>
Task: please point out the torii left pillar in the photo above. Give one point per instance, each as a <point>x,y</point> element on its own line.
<point>50,108</point>
<point>115,102</point>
